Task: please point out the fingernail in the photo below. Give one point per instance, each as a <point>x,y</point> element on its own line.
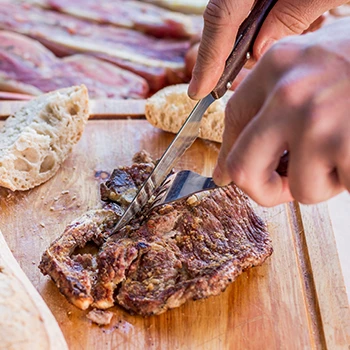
<point>220,177</point>
<point>265,46</point>
<point>217,175</point>
<point>193,88</point>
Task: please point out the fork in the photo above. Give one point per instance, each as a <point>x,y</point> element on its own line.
<point>185,183</point>
<point>180,185</point>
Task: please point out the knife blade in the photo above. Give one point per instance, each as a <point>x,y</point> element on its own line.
<point>189,131</point>
<point>182,141</point>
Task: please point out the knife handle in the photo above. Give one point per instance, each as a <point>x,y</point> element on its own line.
<point>246,36</point>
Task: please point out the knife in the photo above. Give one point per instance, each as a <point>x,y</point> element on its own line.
<point>246,36</point>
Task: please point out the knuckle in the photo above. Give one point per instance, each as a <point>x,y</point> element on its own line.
<point>283,55</point>
<point>264,198</point>
<point>217,14</point>
<point>291,17</point>
<point>237,173</point>
<point>303,194</point>
<point>289,93</point>
<point>314,117</point>
<point>266,201</point>
<point>340,148</point>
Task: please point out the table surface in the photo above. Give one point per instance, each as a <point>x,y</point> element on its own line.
<point>339,209</point>
<point>296,285</point>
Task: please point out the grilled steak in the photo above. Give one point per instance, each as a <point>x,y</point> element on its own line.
<point>191,249</point>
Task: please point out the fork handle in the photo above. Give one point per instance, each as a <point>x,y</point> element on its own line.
<point>245,39</point>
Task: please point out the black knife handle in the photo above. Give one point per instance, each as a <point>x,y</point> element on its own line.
<point>246,36</point>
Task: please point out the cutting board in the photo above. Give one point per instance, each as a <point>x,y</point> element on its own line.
<point>295,300</point>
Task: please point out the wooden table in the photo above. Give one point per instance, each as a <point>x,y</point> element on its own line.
<point>296,300</point>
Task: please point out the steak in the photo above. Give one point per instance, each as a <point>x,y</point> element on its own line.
<point>160,61</point>
<point>190,249</point>
<point>26,66</point>
<point>132,14</point>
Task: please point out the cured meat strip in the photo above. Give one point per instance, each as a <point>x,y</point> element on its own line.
<point>26,66</point>
<point>131,14</point>
<point>185,6</point>
<point>191,249</point>
<point>160,61</point>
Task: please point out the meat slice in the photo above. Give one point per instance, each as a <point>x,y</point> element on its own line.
<point>100,317</point>
<point>159,61</point>
<point>131,14</point>
<point>190,249</point>
<point>26,66</point>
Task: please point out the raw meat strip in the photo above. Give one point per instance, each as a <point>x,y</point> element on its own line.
<point>26,66</point>
<point>131,14</point>
<point>160,61</point>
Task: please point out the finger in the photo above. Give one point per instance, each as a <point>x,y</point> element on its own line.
<point>222,19</point>
<point>321,145</point>
<point>312,176</point>
<point>289,17</point>
<point>343,173</point>
<point>342,158</point>
<point>190,60</point>
<point>240,110</point>
<point>253,159</point>
<point>240,77</point>
<point>315,25</point>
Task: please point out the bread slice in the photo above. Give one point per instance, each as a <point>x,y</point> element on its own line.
<point>26,322</point>
<point>36,140</point>
<point>168,109</point>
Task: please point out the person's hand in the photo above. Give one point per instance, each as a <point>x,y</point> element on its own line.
<point>297,98</point>
<point>222,19</point>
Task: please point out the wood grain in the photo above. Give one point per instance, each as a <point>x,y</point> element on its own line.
<point>281,305</point>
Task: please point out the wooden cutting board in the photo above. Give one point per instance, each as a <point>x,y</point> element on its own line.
<point>296,300</point>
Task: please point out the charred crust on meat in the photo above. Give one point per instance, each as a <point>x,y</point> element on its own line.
<point>190,249</point>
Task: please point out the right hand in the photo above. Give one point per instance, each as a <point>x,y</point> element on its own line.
<point>296,99</point>
<point>222,19</point>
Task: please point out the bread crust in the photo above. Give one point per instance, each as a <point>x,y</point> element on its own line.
<point>168,109</point>
<point>36,140</point>
<point>26,323</point>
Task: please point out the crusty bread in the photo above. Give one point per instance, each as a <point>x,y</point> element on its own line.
<point>26,323</point>
<point>36,140</point>
<point>168,109</point>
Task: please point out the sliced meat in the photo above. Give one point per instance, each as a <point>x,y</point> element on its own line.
<point>159,61</point>
<point>26,66</point>
<point>190,249</point>
<point>131,14</point>
<point>100,317</point>
<point>75,273</point>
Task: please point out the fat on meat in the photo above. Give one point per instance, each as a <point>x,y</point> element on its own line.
<point>132,14</point>
<point>160,61</point>
<point>26,66</point>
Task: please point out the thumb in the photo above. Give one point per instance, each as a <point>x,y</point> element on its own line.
<point>222,19</point>
<point>289,17</point>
